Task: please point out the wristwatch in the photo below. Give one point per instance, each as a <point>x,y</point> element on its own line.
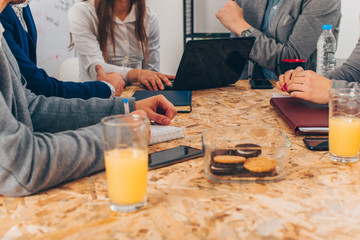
<point>247,32</point>
<point>112,89</point>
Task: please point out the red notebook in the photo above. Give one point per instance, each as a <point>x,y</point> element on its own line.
<point>302,116</point>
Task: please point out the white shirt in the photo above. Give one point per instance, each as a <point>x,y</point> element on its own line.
<point>83,26</point>
<point>1,33</point>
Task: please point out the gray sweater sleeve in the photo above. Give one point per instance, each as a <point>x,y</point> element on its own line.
<point>55,114</point>
<point>344,84</point>
<point>34,161</point>
<point>349,71</point>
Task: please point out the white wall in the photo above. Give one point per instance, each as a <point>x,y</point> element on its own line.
<point>53,33</point>
<point>349,27</point>
<point>170,14</point>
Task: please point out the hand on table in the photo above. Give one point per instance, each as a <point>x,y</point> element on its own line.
<point>152,80</point>
<point>113,78</point>
<point>157,108</point>
<point>306,85</point>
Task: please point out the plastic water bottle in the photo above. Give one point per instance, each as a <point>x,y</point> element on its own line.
<point>326,47</point>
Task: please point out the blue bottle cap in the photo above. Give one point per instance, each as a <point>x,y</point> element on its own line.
<point>327,27</point>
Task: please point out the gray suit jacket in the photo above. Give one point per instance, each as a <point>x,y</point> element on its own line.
<point>348,75</point>
<point>37,150</point>
<point>294,30</point>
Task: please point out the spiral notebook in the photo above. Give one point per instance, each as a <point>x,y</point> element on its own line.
<point>162,133</point>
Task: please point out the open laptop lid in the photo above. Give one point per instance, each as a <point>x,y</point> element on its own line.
<point>212,63</point>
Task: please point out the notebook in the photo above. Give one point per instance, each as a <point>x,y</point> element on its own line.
<point>180,99</point>
<point>212,63</point>
<point>303,117</point>
<point>162,133</point>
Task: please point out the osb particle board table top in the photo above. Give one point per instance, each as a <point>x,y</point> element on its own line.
<point>318,199</point>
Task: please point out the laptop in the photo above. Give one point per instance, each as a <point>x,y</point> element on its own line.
<point>212,63</point>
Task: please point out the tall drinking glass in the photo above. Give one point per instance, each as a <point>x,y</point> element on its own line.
<point>126,160</point>
<point>344,125</point>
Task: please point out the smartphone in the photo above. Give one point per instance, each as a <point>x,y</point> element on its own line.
<point>317,144</point>
<point>171,156</point>
<point>261,84</point>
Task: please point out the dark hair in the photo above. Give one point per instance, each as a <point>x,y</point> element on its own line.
<point>106,24</point>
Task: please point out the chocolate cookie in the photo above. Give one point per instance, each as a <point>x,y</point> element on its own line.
<point>226,164</point>
<point>248,150</point>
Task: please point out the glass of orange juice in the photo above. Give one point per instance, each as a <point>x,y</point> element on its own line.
<point>344,125</point>
<point>126,140</point>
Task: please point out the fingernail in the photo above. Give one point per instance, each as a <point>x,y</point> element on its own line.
<point>285,88</point>
<point>165,121</point>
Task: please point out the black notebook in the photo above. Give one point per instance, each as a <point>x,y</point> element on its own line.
<point>180,99</point>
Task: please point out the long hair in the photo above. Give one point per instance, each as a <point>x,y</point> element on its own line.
<point>105,13</point>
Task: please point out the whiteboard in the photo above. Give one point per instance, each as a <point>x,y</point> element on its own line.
<point>53,33</point>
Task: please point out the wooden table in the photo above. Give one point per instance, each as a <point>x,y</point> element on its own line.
<point>318,199</point>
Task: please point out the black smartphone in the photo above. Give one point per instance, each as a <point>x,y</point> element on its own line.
<point>171,156</point>
<point>261,84</point>
<point>317,144</point>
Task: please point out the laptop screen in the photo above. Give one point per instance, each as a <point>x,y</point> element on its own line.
<point>212,63</point>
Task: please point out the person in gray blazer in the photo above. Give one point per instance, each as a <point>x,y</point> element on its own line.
<point>313,87</point>
<point>48,141</point>
<point>284,29</point>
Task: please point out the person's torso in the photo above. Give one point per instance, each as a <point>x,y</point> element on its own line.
<point>126,46</point>
<point>26,40</point>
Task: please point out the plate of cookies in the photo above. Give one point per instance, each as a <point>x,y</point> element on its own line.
<point>245,153</point>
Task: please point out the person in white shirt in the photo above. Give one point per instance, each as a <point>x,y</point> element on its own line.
<point>111,32</point>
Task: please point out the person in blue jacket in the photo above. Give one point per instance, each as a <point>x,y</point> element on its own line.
<point>21,36</point>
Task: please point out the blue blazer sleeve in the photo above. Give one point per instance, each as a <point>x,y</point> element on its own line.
<point>23,47</point>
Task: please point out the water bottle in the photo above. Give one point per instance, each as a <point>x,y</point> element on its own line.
<point>326,47</point>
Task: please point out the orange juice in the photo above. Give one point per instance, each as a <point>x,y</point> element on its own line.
<point>344,136</point>
<point>126,173</point>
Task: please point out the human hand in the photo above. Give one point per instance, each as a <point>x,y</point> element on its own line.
<point>309,86</point>
<point>157,108</point>
<point>232,17</point>
<point>284,78</point>
<point>142,113</point>
<point>113,78</point>
<point>152,80</point>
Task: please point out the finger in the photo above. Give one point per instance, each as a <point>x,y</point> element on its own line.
<point>148,86</point>
<point>167,107</point>
<point>170,77</point>
<point>159,118</point>
<point>166,79</point>
<point>301,95</point>
<point>160,84</point>
<point>296,87</point>
<point>100,71</point>
<point>281,82</point>
<point>99,68</point>
<point>153,84</point>
<point>288,75</point>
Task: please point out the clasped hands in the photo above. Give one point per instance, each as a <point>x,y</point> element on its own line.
<point>306,85</point>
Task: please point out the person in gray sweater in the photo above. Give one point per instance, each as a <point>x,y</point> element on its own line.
<point>283,29</point>
<point>313,87</point>
<point>48,141</point>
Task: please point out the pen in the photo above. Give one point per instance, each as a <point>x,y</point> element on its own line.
<point>126,106</point>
